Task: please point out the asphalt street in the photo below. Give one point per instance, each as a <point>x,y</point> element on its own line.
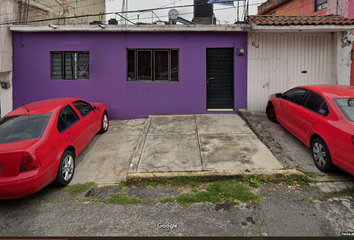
<point>287,210</point>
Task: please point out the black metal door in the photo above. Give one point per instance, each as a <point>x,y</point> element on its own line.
<point>220,78</point>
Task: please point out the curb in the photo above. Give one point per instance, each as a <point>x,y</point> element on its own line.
<point>274,175</point>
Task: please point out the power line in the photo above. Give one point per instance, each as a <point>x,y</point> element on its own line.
<point>100,14</point>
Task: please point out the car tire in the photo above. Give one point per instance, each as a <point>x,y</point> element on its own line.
<point>66,169</point>
<point>271,113</point>
<point>321,156</point>
<point>104,123</point>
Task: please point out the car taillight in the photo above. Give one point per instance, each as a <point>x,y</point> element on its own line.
<point>30,162</point>
<point>353,140</point>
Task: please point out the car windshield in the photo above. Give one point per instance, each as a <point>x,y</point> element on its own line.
<point>23,127</point>
<point>346,105</point>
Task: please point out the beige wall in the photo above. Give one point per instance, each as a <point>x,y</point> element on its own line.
<point>48,9</point>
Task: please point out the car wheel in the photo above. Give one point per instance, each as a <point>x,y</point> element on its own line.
<point>104,123</point>
<point>271,113</point>
<point>66,169</point>
<point>321,155</point>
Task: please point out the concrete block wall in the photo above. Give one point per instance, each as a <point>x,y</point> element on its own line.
<point>48,9</point>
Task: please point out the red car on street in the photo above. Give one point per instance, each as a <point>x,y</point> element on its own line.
<point>322,117</point>
<point>39,142</point>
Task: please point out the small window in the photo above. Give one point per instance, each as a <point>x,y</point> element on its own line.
<point>320,4</point>
<point>83,107</point>
<point>316,103</point>
<point>70,65</point>
<point>294,95</point>
<point>67,118</point>
<point>153,65</point>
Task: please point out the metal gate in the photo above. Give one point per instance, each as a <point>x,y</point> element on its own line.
<point>277,62</point>
<point>220,78</point>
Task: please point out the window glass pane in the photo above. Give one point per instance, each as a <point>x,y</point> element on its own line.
<point>69,116</point>
<point>57,70</point>
<point>346,105</point>
<point>23,127</point>
<point>161,65</point>
<point>68,66</point>
<point>61,126</point>
<point>174,65</point>
<point>83,107</point>
<point>295,95</point>
<point>131,64</point>
<point>313,102</point>
<point>83,63</point>
<point>144,65</point>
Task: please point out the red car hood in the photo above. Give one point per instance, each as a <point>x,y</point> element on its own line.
<point>11,156</point>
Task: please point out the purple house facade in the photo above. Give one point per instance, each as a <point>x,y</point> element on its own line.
<point>136,73</point>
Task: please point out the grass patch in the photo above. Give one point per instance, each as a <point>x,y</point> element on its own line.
<point>349,192</point>
<point>253,181</point>
<point>121,198</point>
<point>268,181</point>
<point>77,189</point>
<point>217,192</point>
<point>168,199</point>
<point>302,181</point>
<point>153,184</point>
<point>310,174</point>
<point>289,181</point>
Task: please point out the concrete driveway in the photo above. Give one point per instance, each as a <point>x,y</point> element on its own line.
<point>172,143</point>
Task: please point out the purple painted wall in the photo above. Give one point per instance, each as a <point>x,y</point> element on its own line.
<point>108,84</point>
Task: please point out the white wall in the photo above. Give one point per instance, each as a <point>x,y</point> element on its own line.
<point>277,62</point>
<point>6,15</point>
<point>342,60</point>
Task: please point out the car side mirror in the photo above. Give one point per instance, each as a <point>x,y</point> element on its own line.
<point>279,95</point>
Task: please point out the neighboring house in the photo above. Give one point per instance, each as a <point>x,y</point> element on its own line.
<point>288,51</point>
<point>142,70</point>
<point>344,8</point>
<point>33,12</point>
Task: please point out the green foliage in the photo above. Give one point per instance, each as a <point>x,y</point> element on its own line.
<point>303,181</point>
<point>253,181</point>
<point>289,181</point>
<point>123,199</point>
<point>268,181</point>
<point>153,184</point>
<point>310,174</point>
<point>219,192</point>
<point>77,189</point>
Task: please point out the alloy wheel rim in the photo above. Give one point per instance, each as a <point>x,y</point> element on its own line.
<point>319,154</point>
<point>105,122</point>
<point>68,167</point>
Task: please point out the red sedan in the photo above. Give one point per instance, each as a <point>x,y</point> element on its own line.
<point>39,142</point>
<point>322,117</point>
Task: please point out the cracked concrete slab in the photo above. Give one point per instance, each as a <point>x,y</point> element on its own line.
<point>170,153</point>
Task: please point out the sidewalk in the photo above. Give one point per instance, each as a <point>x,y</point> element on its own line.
<point>205,146</point>
<point>177,143</point>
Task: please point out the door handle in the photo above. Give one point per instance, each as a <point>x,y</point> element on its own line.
<point>311,119</point>
<point>69,135</point>
<point>291,109</point>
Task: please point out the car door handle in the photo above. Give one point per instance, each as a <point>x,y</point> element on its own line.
<point>69,135</point>
<point>291,109</point>
<point>311,119</point>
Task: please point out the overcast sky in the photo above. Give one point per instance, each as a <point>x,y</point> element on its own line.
<point>223,13</point>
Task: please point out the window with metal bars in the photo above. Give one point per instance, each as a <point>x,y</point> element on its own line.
<point>70,65</point>
<point>153,65</point>
<point>320,4</point>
